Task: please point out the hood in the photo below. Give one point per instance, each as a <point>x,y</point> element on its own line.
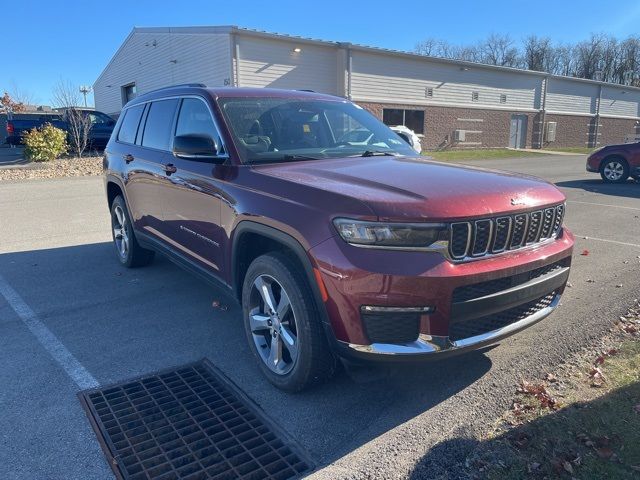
<point>418,189</point>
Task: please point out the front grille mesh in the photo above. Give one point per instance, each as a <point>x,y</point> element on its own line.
<point>478,326</point>
<point>482,289</point>
<point>494,235</point>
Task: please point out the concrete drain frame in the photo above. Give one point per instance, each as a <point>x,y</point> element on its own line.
<point>189,422</point>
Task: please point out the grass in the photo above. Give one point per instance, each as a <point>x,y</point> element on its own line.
<point>478,154</point>
<point>590,431</point>
<point>572,149</point>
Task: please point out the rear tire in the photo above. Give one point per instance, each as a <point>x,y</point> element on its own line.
<point>282,324</point>
<point>129,252</point>
<point>614,170</point>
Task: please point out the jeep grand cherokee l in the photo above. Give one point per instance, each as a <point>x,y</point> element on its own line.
<point>333,248</point>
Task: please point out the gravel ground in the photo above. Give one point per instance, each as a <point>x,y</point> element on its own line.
<point>65,167</point>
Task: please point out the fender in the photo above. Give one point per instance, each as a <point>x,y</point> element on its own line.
<point>290,242</point>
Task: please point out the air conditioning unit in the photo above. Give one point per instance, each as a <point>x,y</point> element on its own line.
<point>459,135</point>
<point>550,132</point>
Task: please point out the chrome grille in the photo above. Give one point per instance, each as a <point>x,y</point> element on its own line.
<point>510,232</point>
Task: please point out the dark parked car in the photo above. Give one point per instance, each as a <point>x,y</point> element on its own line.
<point>616,163</point>
<point>333,248</point>
<point>101,125</point>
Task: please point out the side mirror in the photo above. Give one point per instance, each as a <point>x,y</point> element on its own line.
<point>199,148</point>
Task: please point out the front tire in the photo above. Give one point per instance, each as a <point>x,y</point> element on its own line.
<point>614,170</point>
<point>282,324</point>
<point>129,252</point>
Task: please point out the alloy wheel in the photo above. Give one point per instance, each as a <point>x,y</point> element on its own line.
<point>120,234</point>
<point>273,324</point>
<point>613,170</point>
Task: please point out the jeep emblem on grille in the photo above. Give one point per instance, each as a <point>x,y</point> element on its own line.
<point>518,201</point>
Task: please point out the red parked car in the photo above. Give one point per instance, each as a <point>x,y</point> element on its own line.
<point>616,163</point>
<point>333,248</point>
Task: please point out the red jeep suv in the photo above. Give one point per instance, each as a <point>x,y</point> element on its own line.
<point>335,247</point>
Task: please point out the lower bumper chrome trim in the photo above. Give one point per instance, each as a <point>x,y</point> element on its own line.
<point>432,344</point>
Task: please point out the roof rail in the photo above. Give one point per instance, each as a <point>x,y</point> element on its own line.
<point>181,85</point>
<point>306,90</point>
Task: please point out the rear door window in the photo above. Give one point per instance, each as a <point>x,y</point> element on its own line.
<point>159,124</point>
<point>129,127</point>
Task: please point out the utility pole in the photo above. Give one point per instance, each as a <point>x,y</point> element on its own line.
<point>84,89</point>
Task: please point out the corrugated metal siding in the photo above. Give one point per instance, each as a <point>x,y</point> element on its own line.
<point>273,63</point>
<point>619,101</point>
<point>571,96</point>
<point>383,77</point>
<point>199,58</point>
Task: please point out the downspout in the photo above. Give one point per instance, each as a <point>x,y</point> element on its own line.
<point>596,130</point>
<point>236,61</point>
<point>349,71</point>
<point>543,112</point>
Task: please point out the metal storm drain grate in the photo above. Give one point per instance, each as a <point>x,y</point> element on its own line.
<point>190,422</point>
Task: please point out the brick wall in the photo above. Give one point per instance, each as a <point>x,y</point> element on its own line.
<point>613,130</point>
<point>484,128</point>
<point>490,128</point>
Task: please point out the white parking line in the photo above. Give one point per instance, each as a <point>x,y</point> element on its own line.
<point>49,341</point>
<point>587,237</point>
<point>603,205</point>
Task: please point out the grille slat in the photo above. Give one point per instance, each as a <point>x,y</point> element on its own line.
<point>510,232</point>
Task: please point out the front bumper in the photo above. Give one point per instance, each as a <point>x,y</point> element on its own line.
<point>426,345</point>
<point>357,277</point>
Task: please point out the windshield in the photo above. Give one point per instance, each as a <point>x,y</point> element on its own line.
<point>280,129</point>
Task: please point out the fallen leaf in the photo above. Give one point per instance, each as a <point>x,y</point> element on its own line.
<point>550,377</point>
<point>604,452</point>
<point>585,253</point>
<point>567,466</point>
<point>599,360</point>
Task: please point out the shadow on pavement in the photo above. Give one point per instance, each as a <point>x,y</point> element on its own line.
<point>629,189</point>
<point>122,323</point>
<point>598,439</point>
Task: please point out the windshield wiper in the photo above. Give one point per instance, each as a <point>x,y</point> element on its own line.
<point>285,158</point>
<point>375,153</point>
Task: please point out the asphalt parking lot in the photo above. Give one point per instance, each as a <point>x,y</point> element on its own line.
<point>57,270</point>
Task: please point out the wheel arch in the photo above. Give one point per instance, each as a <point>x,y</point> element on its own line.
<point>270,239</point>
<point>114,188</point>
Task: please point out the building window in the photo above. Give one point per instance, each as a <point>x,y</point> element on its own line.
<point>503,98</point>
<point>475,96</point>
<point>413,119</point>
<point>129,92</point>
<point>428,92</point>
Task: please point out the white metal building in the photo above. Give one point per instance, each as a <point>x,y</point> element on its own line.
<point>449,103</point>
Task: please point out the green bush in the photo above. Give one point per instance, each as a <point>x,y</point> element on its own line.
<point>45,143</point>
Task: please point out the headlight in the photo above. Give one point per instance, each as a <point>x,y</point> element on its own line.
<point>390,235</point>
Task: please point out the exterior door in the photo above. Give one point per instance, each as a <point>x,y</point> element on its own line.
<point>518,131</point>
<point>148,179</point>
<point>193,202</point>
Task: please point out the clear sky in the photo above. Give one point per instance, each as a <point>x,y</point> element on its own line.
<point>44,41</point>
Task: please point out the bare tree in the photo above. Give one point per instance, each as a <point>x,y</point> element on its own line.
<point>539,54</point>
<point>499,50</point>
<point>67,97</point>
<point>9,105</point>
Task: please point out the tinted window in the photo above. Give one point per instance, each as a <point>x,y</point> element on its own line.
<point>157,129</point>
<point>129,127</point>
<point>195,119</point>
